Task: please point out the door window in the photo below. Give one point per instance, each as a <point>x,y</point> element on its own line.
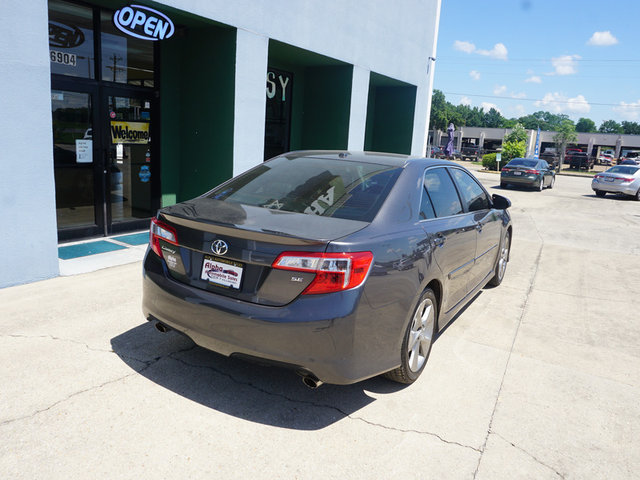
<point>73,158</point>
<point>442,192</point>
<point>124,59</point>
<point>473,195</point>
<point>71,39</point>
<point>129,166</point>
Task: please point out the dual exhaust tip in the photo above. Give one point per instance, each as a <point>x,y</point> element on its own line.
<point>308,379</point>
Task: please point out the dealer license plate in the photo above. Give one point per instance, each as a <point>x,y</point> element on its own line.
<point>608,179</point>
<point>517,173</point>
<point>222,272</point>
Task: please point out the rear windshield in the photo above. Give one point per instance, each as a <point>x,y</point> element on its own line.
<point>522,162</point>
<point>315,186</point>
<point>623,170</point>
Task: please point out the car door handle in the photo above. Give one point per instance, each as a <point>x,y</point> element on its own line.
<point>479,227</point>
<point>439,240</point>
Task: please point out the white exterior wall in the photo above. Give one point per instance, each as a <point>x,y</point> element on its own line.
<point>27,192</point>
<point>394,39</point>
<point>358,112</point>
<point>252,53</point>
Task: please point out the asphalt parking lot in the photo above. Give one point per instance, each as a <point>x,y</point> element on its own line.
<point>538,378</point>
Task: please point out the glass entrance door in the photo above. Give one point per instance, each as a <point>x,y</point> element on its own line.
<point>129,159</point>
<point>74,162</point>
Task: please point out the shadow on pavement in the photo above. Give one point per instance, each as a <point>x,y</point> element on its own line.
<point>262,394</point>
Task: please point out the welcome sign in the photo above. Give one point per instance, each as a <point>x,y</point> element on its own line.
<point>129,132</point>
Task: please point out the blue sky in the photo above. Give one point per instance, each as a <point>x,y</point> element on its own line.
<point>580,58</point>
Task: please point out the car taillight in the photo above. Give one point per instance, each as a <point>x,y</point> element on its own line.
<point>599,176</point>
<point>158,231</point>
<point>334,271</point>
<point>625,180</point>
<point>535,172</point>
<point>505,169</point>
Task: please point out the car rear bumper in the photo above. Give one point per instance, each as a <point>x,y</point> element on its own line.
<point>614,188</point>
<point>524,180</point>
<point>310,335</point>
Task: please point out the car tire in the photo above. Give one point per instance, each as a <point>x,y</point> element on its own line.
<point>418,339</point>
<point>600,193</point>
<point>501,263</point>
<point>553,180</point>
<point>638,195</point>
<point>541,185</point>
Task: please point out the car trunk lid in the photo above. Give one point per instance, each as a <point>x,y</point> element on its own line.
<point>228,248</point>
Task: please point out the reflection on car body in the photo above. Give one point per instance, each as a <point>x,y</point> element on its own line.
<point>350,262</point>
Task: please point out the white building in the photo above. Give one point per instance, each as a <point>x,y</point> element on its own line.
<point>110,111</point>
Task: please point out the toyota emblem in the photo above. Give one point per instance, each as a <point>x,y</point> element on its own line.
<point>219,247</point>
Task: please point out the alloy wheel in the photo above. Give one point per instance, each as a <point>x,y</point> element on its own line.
<point>421,335</point>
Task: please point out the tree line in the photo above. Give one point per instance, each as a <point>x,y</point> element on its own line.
<point>444,112</point>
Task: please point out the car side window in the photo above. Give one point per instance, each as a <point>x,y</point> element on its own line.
<point>442,192</point>
<point>472,194</point>
<point>426,207</point>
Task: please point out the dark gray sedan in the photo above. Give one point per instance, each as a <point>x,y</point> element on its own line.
<point>527,172</point>
<point>339,265</point>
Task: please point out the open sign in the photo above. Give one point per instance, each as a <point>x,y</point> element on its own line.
<point>143,22</point>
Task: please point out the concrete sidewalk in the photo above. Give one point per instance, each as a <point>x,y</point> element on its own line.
<point>538,378</point>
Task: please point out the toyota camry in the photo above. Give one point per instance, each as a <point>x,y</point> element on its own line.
<point>339,265</point>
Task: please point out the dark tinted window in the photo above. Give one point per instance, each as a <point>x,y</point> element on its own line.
<point>473,195</point>
<point>623,170</point>
<point>522,162</point>
<point>442,192</point>
<point>316,186</point>
<point>426,208</point>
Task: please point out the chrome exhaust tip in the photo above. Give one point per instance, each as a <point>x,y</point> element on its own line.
<point>161,327</point>
<point>311,381</point>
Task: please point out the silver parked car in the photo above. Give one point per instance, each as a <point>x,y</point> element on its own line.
<point>623,179</point>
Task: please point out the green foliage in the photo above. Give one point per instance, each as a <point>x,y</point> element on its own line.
<point>610,126</point>
<point>493,119</point>
<point>586,125</point>
<point>489,161</point>
<point>518,134</point>
<point>631,128</point>
<point>510,150</point>
<point>545,120</point>
<point>566,135</point>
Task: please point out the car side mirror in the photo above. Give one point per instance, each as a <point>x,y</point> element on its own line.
<point>500,202</point>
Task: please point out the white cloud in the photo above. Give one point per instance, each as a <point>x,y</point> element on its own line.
<point>533,79</point>
<point>466,47</point>
<point>465,101</point>
<point>499,51</point>
<point>500,90</point>
<point>602,39</point>
<point>557,103</point>
<point>488,106</point>
<point>628,111</point>
<point>566,64</point>
<point>474,74</point>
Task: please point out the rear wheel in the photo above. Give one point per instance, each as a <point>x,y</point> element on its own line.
<point>553,180</point>
<point>541,185</point>
<point>418,339</point>
<point>638,195</point>
<point>600,193</point>
<point>503,259</point>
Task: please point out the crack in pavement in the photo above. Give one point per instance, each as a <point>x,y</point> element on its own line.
<point>52,337</point>
<point>561,475</point>
<point>147,364</point>
<point>515,336</point>
<point>319,405</point>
